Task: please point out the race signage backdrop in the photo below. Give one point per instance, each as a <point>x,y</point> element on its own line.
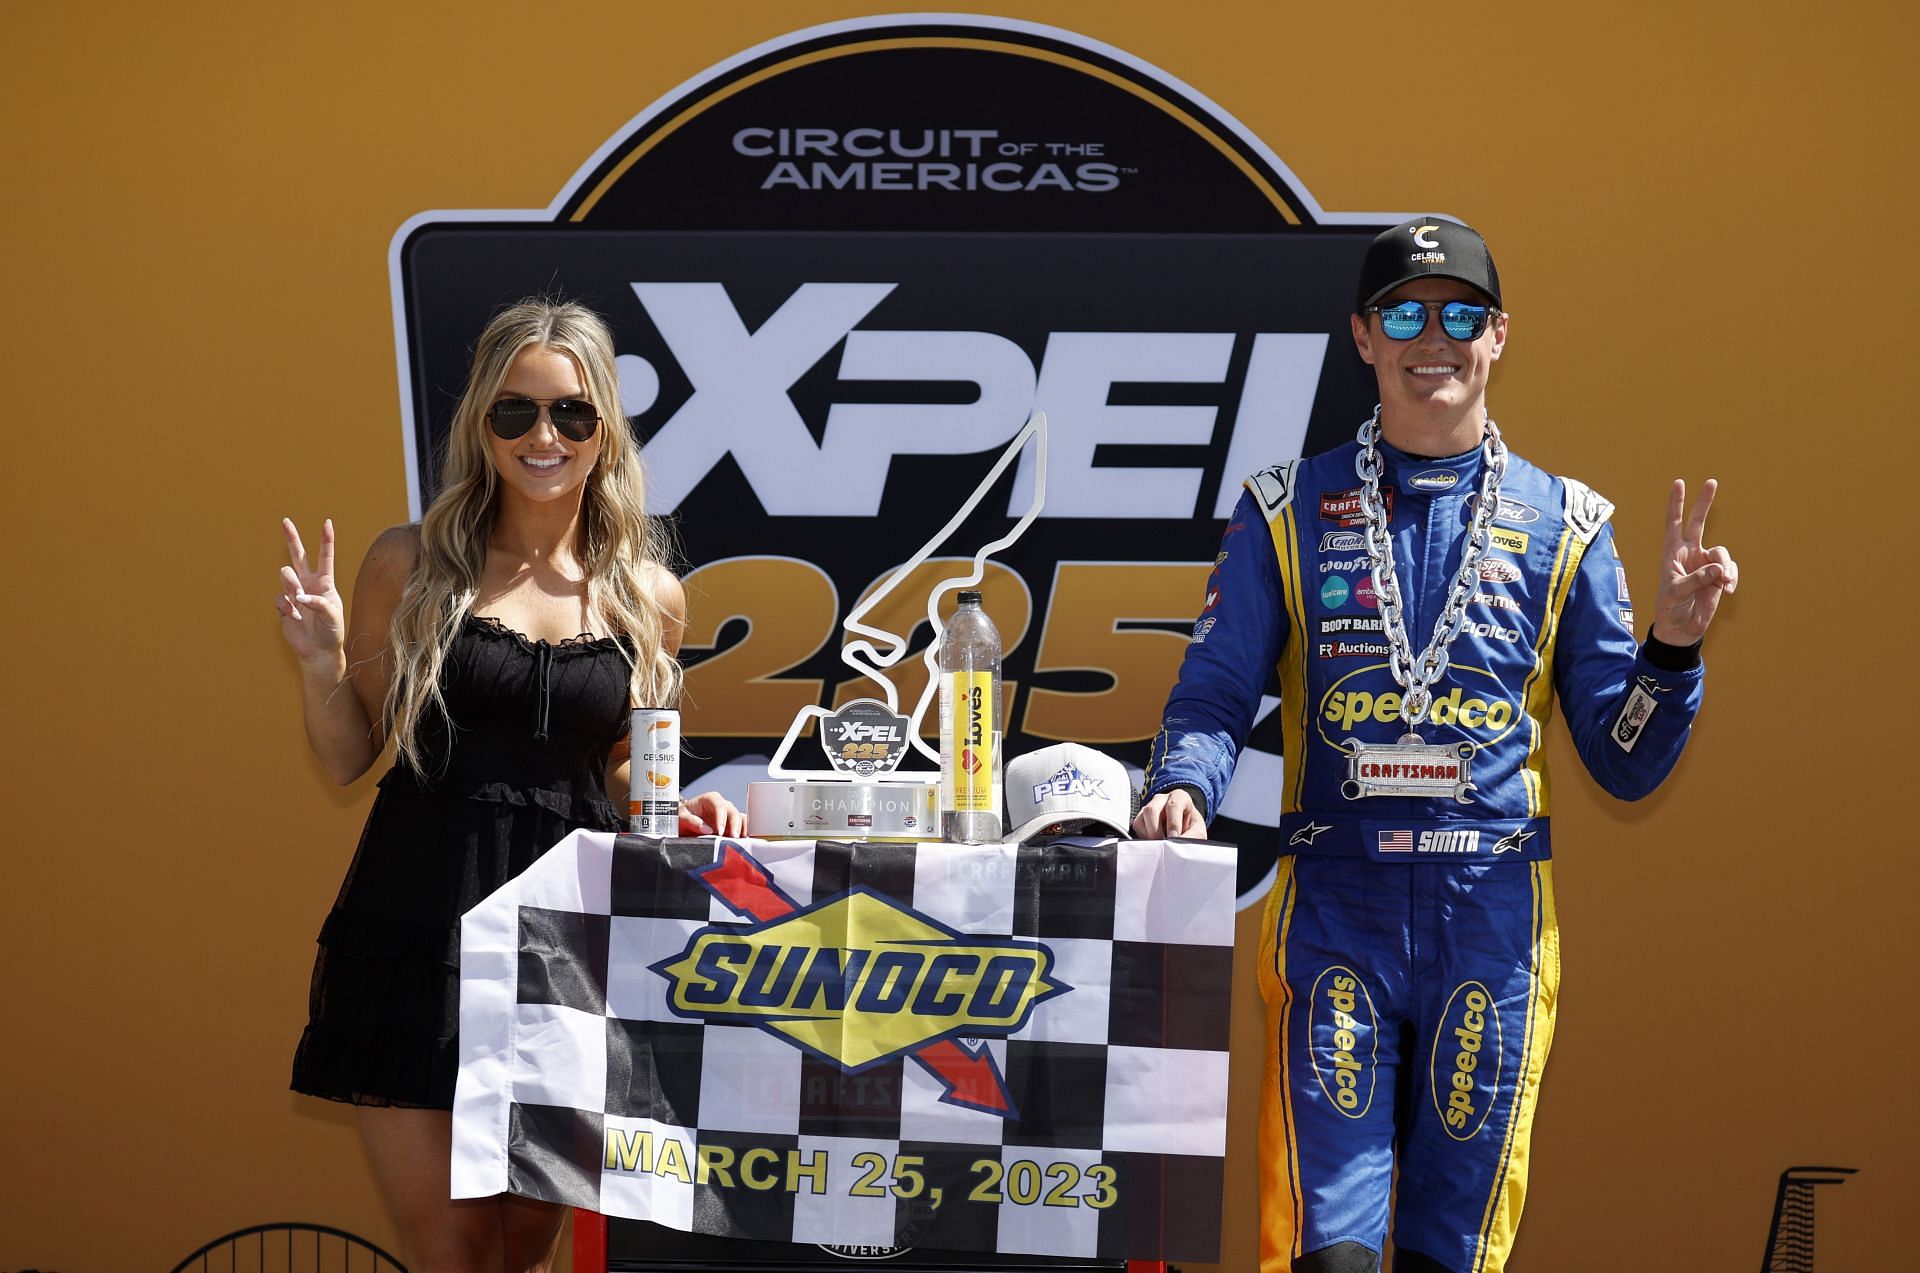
<point>842,269</point>
<point>973,1048</point>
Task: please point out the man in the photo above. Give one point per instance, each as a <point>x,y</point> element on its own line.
<point>1424,595</point>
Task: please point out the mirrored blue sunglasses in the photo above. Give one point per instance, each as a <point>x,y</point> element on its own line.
<point>1408,319</point>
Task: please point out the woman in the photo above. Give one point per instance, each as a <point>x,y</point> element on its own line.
<point>499,646</point>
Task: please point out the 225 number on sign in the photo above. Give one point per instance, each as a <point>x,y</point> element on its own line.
<point>1104,617</point>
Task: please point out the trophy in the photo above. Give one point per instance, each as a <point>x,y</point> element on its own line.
<point>862,796</point>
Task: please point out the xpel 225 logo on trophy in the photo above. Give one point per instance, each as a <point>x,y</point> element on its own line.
<point>843,268</point>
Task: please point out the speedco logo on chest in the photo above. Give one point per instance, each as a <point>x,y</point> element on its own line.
<point>1475,703</point>
<point>859,979</point>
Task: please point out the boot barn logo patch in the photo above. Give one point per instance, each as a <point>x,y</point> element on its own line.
<point>842,268</point>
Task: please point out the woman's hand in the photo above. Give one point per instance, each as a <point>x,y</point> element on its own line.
<point>312,617</point>
<point>711,813</point>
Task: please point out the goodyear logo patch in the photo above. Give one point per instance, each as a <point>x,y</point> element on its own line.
<point>858,979</point>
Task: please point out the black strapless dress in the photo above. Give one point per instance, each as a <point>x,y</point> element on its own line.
<point>524,764</point>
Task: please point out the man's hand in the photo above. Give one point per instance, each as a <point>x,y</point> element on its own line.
<point>1169,814</point>
<point>1692,578</point>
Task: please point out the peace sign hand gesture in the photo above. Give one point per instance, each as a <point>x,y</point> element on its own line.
<point>1692,578</point>
<point>312,617</point>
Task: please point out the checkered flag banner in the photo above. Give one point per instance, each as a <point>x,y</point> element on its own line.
<point>1015,1048</point>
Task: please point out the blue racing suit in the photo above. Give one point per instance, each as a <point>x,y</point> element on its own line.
<point>1410,955</point>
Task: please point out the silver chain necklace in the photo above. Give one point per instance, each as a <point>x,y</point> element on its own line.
<point>1417,679</point>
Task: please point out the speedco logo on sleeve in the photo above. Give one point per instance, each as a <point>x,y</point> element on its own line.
<point>1481,712</point>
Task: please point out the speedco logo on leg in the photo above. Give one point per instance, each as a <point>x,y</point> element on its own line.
<point>1466,1060</point>
<point>1343,1040</point>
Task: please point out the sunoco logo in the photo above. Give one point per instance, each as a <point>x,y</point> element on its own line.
<point>1345,1040</point>
<point>1466,1061</point>
<point>857,978</point>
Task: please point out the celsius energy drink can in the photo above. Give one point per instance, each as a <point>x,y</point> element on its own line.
<point>653,791</point>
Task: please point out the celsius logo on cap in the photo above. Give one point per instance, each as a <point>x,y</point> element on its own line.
<point>1432,256</point>
<point>1440,248</point>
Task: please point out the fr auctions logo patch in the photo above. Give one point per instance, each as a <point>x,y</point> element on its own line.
<point>858,979</point>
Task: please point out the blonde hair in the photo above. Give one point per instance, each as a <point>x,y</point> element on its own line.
<point>621,546</point>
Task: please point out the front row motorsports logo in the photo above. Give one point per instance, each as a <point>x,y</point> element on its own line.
<point>858,979</point>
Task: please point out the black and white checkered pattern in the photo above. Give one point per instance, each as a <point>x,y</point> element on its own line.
<point>566,1038</point>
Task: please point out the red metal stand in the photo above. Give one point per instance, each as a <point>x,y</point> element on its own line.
<point>589,1241</point>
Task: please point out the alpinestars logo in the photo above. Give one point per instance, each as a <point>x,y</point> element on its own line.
<point>1513,843</point>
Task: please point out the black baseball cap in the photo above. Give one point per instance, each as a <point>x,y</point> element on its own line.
<point>1426,247</point>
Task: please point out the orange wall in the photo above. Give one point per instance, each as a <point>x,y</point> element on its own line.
<point>1705,223</point>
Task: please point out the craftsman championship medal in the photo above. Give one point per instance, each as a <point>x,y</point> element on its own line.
<point>1411,766</point>
<point>1408,769</point>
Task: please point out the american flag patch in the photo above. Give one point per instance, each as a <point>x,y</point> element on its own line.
<point>1396,841</point>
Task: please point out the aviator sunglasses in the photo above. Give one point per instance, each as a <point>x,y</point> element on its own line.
<point>573,418</point>
<point>1408,319</point>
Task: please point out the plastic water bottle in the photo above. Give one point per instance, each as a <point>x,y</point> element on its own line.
<point>970,726</point>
